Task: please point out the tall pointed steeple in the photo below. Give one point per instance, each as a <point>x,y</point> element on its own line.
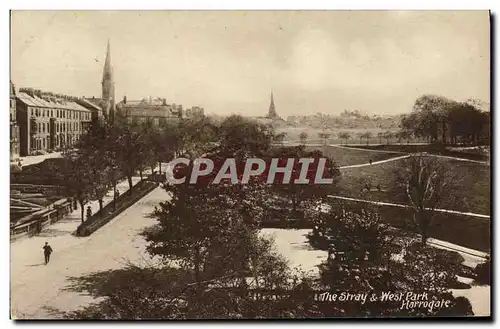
<point>272,111</point>
<point>108,85</point>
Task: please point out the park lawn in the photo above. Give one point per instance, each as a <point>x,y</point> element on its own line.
<point>466,231</point>
<point>482,154</point>
<point>472,193</point>
<point>346,156</point>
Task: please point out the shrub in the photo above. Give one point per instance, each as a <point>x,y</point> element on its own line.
<point>483,273</point>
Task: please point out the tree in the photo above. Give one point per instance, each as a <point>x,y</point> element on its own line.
<point>298,197</point>
<point>324,136</point>
<point>344,136</point>
<point>380,135</point>
<point>126,145</point>
<point>195,134</point>
<point>404,135</point>
<point>242,137</point>
<point>303,137</point>
<point>156,293</point>
<point>388,136</point>
<point>361,259</point>
<point>426,182</point>
<point>367,136</point>
<point>78,180</point>
<point>94,146</point>
<point>360,136</point>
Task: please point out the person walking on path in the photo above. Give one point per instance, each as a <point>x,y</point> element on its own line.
<point>370,161</point>
<point>89,212</point>
<point>47,250</point>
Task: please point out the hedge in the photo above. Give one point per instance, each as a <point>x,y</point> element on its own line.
<point>107,213</point>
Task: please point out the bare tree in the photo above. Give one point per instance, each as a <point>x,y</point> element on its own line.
<point>426,181</point>
<point>303,137</point>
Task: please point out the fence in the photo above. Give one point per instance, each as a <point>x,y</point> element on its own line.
<point>34,223</point>
<point>32,188</point>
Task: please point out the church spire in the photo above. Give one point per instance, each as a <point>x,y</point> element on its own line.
<point>108,84</point>
<point>108,70</point>
<point>272,111</point>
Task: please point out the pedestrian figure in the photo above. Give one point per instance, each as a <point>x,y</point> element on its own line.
<point>47,250</point>
<point>89,212</point>
<point>117,193</point>
<point>379,188</point>
<point>70,202</point>
<point>370,161</point>
<point>75,204</point>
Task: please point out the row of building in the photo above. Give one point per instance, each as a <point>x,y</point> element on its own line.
<point>43,121</point>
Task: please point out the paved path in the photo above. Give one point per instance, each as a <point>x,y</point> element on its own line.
<point>376,162</point>
<point>366,150</point>
<point>35,286</point>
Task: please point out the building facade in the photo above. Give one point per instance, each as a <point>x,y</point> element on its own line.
<point>48,121</point>
<point>14,127</point>
<point>195,111</point>
<point>157,111</point>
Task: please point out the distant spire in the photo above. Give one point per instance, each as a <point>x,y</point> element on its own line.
<point>272,110</point>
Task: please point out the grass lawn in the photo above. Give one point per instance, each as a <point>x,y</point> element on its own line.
<point>345,156</point>
<point>470,232</point>
<point>466,153</point>
<point>471,195</point>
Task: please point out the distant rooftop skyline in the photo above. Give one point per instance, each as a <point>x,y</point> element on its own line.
<point>228,62</point>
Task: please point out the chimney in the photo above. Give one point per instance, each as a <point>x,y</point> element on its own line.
<point>164,102</point>
<point>125,99</point>
<point>150,100</point>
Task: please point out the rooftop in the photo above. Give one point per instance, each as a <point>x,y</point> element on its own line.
<point>50,102</point>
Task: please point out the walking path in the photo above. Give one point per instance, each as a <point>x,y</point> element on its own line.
<point>367,150</point>
<point>376,162</point>
<point>35,286</point>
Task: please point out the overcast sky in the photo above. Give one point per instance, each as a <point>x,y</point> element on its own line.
<point>228,62</point>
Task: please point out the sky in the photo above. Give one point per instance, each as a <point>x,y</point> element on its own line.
<point>377,62</point>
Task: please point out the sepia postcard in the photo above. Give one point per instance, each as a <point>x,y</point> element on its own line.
<point>178,165</point>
